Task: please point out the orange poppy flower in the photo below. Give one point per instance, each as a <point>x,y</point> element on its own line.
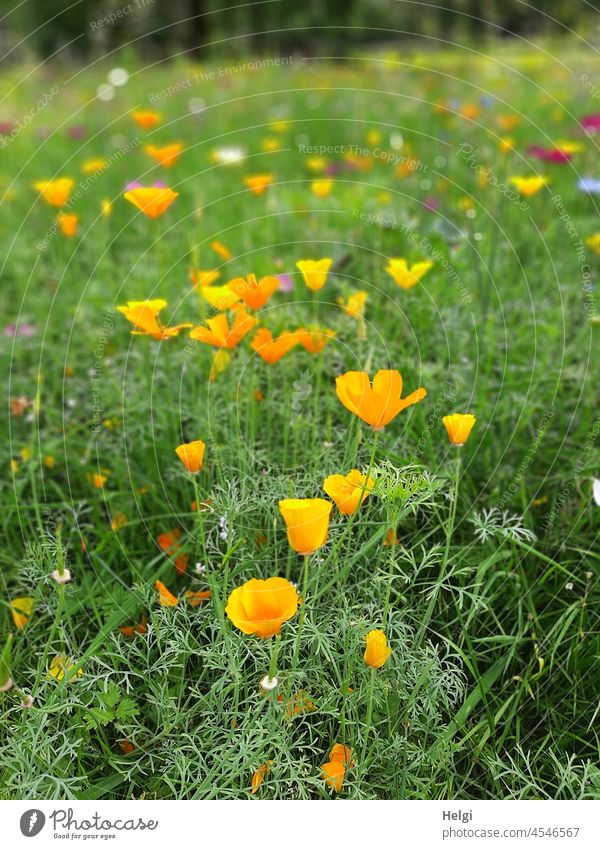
<point>196,597</point>
<point>68,224</point>
<point>259,183</point>
<point>151,201</point>
<point>220,334</point>
<point>261,607</point>
<point>131,630</point>
<point>144,317</point>
<point>314,272</point>
<point>406,277</point>
<point>333,773</point>
<point>298,704</point>
<point>168,542</point>
<point>379,403</point>
<point>459,426</point>
<point>191,455</point>
<point>254,293</point>
<point>259,775</point>
<point>391,538</point>
<point>203,278</point>
<point>377,650</point>
<point>355,305</point>
<point>272,350</point>
<point>321,188</point>
<point>222,250</point>
<point>126,747</point>
<point>349,491</point>
<point>55,192</point>
<point>165,596</point>
<point>314,340</point>
<point>97,479</point>
<point>146,119</point>
<point>118,521</point>
<point>341,754</point>
<point>166,155</point>
<point>307,522</point>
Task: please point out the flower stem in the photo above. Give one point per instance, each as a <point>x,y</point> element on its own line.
<point>274,654</point>
<point>302,613</point>
<point>369,715</point>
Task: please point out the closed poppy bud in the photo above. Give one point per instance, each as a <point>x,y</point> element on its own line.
<point>261,607</point>
<point>191,455</point>
<point>348,492</point>
<point>333,772</point>
<point>459,426</point>
<point>377,650</point>
<point>314,272</point>
<point>307,522</point>
<point>68,224</point>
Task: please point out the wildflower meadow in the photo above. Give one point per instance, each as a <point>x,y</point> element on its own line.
<point>300,494</point>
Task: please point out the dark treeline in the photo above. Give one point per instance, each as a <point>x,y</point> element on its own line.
<point>336,27</point>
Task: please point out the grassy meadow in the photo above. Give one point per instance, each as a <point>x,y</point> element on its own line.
<point>480,563</point>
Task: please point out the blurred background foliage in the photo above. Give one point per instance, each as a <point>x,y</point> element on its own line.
<point>86,28</point>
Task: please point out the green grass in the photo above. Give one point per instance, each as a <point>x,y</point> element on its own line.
<point>491,690</point>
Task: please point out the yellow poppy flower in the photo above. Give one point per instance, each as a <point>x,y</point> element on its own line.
<point>144,317</point>
<point>459,426</point>
<point>21,608</point>
<point>377,650</point>
<point>261,607</point>
<point>55,192</point>
<point>379,403</point>
<point>314,272</point>
<point>348,491</point>
<point>152,201</point>
<point>307,522</point>
<point>406,277</point>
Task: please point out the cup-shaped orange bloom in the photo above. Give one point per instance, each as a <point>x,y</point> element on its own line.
<point>166,155</point>
<point>375,404</point>
<point>406,277</point>
<point>191,455</point>
<point>254,293</point>
<point>272,350</point>
<point>68,224</point>
<point>55,192</point>
<point>261,607</point>
<point>259,183</point>
<point>146,119</point>
<point>144,317</point>
<point>220,297</point>
<point>220,334</point>
<point>313,339</point>
<point>165,596</point>
<point>348,491</point>
<point>151,201</point>
<point>377,650</point>
<point>342,754</point>
<point>321,188</point>
<point>459,426</point>
<point>528,186</point>
<point>333,773</point>
<point>314,272</point>
<point>355,305</point>
<point>307,522</point>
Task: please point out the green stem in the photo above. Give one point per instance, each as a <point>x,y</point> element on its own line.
<point>302,614</point>
<point>369,714</point>
<point>274,654</point>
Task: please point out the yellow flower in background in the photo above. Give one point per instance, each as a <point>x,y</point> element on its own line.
<point>406,277</point>
<point>144,317</point>
<point>62,665</point>
<point>270,144</point>
<point>321,188</point>
<point>459,426</point>
<point>21,608</point>
<point>106,207</point>
<point>529,186</point>
<point>146,119</point>
<point>259,183</point>
<point>98,480</point>
<point>261,607</point>
<point>94,166</point>
<point>379,403</point>
<point>152,201</point>
<point>221,361</point>
<point>316,164</point>
<point>377,650</point>
<point>191,455</point>
<point>593,242</point>
<point>355,305</point>
<point>279,126</point>
<point>307,522</point>
<point>348,491</point>
<point>507,145</point>
<point>218,332</point>
<point>167,155</point>
<point>49,461</point>
<point>68,224</point>
<point>220,297</point>
<point>55,192</point>
<point>314,272</point>
<point>201,278</point>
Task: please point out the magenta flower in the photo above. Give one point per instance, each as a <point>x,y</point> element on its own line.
<point>549,154</point>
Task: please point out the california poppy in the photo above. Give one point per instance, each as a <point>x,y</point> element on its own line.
<point>333,773</point>
<point>203,278</point>
<point>221,362</point>
<point>254,293</point>
<point>379,403</point>
<point>55,192</point>
<point>342,754</point>
<point>169,543</point>
<point>219,333</point>
<point>261,607</point>
<point>272,350</point>
<point>131,630</point>
<point>307,522</point>
<point>220,297</point>
<point>459,426</point>
<point>259,775</point>
<point>196,597</point>
<point>321,188</point>
<point>167,155</point>
<point>151,200</point>
<point>377,650</point>
<point>68,224</point>
<point>348,491</point>
<point>406,277</point>
<point>144,317</point>
<point>94,166</point>
<point>21,609</point>
<point>313,339</point>
<point>191,455</point>
<point>259,183</point>
<point>61,665</point>
<point>314,272</point>
<point>165,596</point>
<point>146,119</point>
<point>355,304</point>
<point>528,186</point>
<point>222,250</point>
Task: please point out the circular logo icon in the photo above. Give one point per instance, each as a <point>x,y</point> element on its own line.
<point>32,822</point>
